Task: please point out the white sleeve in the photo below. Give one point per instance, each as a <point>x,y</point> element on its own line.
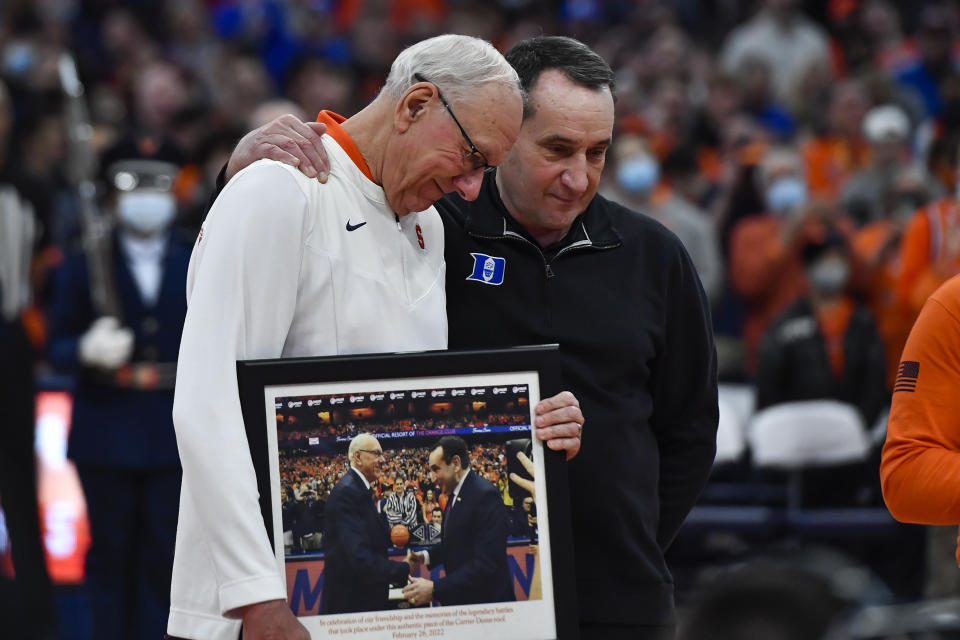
<point>241,291</point>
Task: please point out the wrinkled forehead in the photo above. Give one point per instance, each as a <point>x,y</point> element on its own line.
<point>562,107</point>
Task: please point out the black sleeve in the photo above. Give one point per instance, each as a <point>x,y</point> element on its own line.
<point>219,185</point>
<point>684,396</point>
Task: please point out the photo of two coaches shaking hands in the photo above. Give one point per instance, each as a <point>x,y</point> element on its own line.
<point>472,548</point>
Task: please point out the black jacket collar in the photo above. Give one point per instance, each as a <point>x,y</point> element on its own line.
<point>488,217</point>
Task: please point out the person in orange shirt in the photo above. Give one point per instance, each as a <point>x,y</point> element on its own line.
<point>765,265</point>
<point>825,345</point>
<point>930,253</point>
<point>830,159</point>
<point>878,246</point>
<point>920,468</point>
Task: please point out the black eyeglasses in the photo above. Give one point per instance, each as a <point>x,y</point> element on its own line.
<point>479,160</point>
<point>379,454</point>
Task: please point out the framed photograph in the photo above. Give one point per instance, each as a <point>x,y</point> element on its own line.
<point>494,558</point>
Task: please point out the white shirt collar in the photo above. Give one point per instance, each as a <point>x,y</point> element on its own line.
<point>456,492</point>
<point>144,248</point>
<point>365,483</point>
<point>145,259</point>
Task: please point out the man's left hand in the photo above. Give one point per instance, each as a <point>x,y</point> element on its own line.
<point>559,423</point>
<point>419,592</point>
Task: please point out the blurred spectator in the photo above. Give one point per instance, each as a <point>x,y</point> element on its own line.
<point>936,58</point>
<point>267,111</point>
<point>833,156</point>
<point>314,84</point>
<point>930,252</point>
<point>880,23</point>
<point>784,38</point>
<point>765,266</point>
<point>706,136</point>
<point>308,522</point>
<point>198,179</point>
<point>160,93</point>
<point>122,437</point>
<point>756,99</point>
<point>639,187</point>
<point>30,612</point>
<point>241,85</point>
<point>887,129</point>
<point>435,528</point>
<point>878,247</point>
<point>825,345</point>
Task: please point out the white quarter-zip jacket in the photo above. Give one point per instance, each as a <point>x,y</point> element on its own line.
<point>284,266</point>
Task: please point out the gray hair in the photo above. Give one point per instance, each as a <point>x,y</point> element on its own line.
<point>357,443</point>
<point>456,64</point>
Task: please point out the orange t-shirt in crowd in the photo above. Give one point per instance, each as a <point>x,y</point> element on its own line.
<point>920,468</point>
<point>830,161</point>
<point>930,253</point>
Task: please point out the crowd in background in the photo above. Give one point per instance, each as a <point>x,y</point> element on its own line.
<point>294,428</point>
<point>805,152</point>
<point>750,131</point>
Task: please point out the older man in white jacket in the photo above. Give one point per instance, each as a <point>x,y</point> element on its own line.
<point>287,266</point>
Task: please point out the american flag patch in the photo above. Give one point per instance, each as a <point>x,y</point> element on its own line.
<point>907,376</point>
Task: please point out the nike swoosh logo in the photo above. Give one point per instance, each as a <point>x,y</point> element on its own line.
<point>354,227</point>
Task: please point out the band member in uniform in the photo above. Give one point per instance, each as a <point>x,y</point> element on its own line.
<point>122,438</point>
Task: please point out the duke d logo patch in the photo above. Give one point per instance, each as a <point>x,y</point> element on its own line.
<point>487,269</point>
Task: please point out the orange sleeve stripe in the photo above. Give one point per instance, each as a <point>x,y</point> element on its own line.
<point>333,122</point>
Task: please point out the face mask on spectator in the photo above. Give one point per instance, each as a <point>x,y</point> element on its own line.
<point>638,174</point>
<point>785,195</point>
<point>829,276</point>
<point>146,212</point>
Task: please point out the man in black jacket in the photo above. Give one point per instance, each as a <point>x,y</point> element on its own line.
<point>358,575</point>
<point>473,546</point>
<point>539,257</point>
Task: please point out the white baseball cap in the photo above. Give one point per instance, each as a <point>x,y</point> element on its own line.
<point>886,123</point>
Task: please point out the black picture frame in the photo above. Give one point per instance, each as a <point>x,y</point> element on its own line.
<point>256,377</point>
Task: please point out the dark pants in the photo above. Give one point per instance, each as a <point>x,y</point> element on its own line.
<point>596,631</point>
<point>32,592</point>
<point>133,527</point>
